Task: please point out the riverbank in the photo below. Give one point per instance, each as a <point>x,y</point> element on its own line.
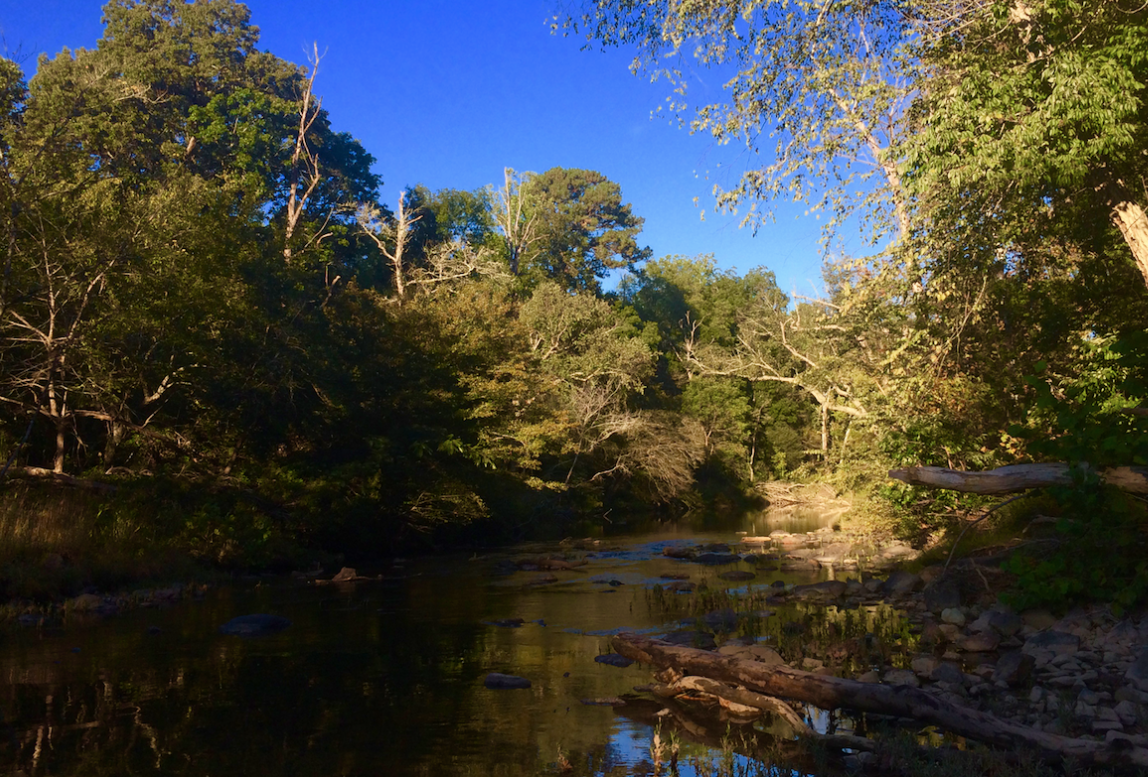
<point>1080,675</point>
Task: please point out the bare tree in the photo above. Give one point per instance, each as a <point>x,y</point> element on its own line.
<point>391,237</point>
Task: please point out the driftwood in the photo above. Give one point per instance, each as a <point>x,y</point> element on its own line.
<point>899,700</point>
<point>1017,477</point>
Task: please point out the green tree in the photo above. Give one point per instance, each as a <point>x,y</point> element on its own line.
<point>1032,126</point>
<point>568,226</point>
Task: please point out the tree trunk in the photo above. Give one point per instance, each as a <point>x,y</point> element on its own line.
<point>1017,477</point>
<point>903,701</point>
<point>1132,222</point>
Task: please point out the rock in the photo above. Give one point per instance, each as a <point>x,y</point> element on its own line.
<point>671,551</point>
<point>30,619</point>
<point>984,642</point>
<point>258,625</point>
<point>1053,641</point>
<point>869,677</point>
<point>1128,712</point>
<point>505,682</point>
<point>901,677</point>
<point>715,547</point>
<point>608,701</point>
<point>1013,668</point>
<point>86,603</point>
<point>900,583</point>
<point>345,575</point>
<point>1006,624</point>
<point>737,575</point>
<point>1038,619</point>
<point>953,615</point>
<point>811,664</point>
<point>951,633</point>
<point>948,673</point>
<point>614,659</point>
<point>716,559</point>
<point>923,666</point>
<point>1137,674</point>
<point>506,623</point>
<point>942,594</point>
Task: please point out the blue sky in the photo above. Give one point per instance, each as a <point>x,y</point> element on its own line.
<point>447,93</point>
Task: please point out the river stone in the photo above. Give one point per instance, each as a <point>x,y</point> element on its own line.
<point>923,666</point>
<point>1054,641</point>
<point>614,659</point>
<point>257,625</point>
<point>984,642</point>
<point>737,575</point>
<point>942,594</point>
<point>953,615</point>
<point>947,673</point>
<point>86,603</point>
<point>900,583</point>
<point>1137,674</point>
<point>505,682</point>
<point>1013,668</point>
<point>828,588</point>
<point>901,677</point>
<point>1007,624</point>
<point>716,559</point>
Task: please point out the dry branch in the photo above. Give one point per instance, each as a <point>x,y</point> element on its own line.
<point>902,701</point>
<point>1017,477</point>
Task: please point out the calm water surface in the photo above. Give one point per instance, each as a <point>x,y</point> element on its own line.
<point>374,678</point>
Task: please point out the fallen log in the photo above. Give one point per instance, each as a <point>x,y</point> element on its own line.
<point>1017,477</point>
<point>39,473</point>
<point>899,700</point>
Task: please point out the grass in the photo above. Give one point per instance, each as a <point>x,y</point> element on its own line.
<point>57,543</point>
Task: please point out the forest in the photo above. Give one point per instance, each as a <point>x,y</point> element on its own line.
<point>217,342</point>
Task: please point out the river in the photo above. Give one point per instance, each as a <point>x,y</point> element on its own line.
<point>380,677</point>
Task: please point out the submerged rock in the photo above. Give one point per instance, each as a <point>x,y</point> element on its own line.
<point>716,559</point>
<point>614,659</point>
<point>505,682</point>
<point>737,575</point>
<point>257,625</point>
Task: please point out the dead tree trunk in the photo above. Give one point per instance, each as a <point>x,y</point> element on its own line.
<point>1017,477</point>
<point>900,700</point>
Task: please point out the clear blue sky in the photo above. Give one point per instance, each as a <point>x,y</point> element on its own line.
<point>448,92</point>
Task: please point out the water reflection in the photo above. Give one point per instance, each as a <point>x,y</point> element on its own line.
<point>373,678</point>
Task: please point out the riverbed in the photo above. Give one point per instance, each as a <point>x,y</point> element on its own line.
<point>382,676</point>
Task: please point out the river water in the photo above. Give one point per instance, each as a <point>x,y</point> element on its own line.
<point>373,678</point>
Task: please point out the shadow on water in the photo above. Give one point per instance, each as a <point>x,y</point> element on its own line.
<point>386,676</point>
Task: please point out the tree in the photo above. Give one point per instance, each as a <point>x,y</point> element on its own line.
<point>569,226</point>
<point>1032,126</point>
<point>819,85</point>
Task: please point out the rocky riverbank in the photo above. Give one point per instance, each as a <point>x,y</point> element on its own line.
<point>1082,675</point>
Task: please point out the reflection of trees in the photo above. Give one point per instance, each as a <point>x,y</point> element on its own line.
<point>351,688</point>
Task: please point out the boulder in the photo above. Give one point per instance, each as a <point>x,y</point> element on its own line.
<point>1013,668</point>
<point>614,659</point>
<point>257,625</point>
<point>900,583</point>
<point>901,677</point>
<point>1055,641</point>
<point>505,682</point>
<point>942,594</point>
<point>1137,674</point>
<point>945,672</point>
<point>982,642</point>
<point>716,559</point>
